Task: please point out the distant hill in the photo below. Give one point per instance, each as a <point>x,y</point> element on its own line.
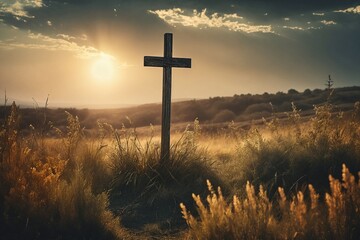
<point>238,108</point>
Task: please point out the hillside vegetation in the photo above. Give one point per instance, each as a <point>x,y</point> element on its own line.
<point>238,108</point>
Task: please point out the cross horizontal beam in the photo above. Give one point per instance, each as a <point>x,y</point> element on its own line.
<point>167,62</point>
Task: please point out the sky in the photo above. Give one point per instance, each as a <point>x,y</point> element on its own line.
<point>90,53</point>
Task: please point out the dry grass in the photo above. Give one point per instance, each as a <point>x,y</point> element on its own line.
<point>255,217</point>
<point>84,187</point>
<point>38,201</point>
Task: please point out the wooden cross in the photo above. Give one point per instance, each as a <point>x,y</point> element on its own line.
<point>166,62</point>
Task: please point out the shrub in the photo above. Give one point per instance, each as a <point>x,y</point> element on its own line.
<point>258,107</point>
<point>292,91</point>
<point>224,116</point>
<point>307,92</point>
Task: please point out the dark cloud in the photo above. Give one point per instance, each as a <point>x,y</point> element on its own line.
<point>278,7</point>
<point>84,12</point>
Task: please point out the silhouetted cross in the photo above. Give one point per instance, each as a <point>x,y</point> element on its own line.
<point>166,62</point>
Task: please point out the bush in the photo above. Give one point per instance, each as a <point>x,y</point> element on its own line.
<point>292,91</point>
<point>224,116</point>
<point>307,92</point>
<point>259,107</point>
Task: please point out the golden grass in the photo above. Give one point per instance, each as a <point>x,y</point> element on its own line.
<point>82,187</point>
<point>255,217</point>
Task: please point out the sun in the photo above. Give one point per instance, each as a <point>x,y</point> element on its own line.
<point>103,68</point>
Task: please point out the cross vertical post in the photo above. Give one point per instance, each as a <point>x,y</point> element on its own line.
<point>166,99</point>
<point>166,62</point>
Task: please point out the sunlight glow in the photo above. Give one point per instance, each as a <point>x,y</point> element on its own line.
<point>103,68</point>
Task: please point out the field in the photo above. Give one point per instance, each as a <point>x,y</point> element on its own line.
<point>287,176</point>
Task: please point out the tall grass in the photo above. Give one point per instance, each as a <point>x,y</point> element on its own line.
<point>38,201</point>
<point>295,152</point>
<point>144,186</point>
<point>78,187</point>
<point>256,217</point>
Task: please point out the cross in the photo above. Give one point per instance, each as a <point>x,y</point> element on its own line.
<point>166,62</point>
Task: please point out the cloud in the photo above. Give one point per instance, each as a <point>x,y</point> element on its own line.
<point>61,44</point>
<point>19,8</point>
<point>232,22</point>
<point>294,28</point>
<point>299,28</point>
<point>18,39</point>
<point>355,10</point>
<point>325,22</point>
<point>318,14</point>
<point>65,36</point>
<point>42,42</point>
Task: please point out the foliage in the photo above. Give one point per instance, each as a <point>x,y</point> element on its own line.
<point>224,116</point>
<point>237,108</point>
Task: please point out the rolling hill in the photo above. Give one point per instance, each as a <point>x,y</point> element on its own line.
<point>238,108</point>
